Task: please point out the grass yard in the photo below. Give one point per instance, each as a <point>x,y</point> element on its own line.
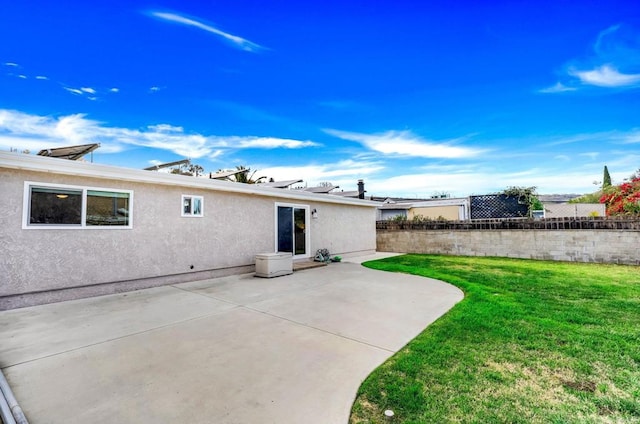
<point>532,342</point>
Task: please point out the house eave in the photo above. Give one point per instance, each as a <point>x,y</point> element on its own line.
<point>21,161</point>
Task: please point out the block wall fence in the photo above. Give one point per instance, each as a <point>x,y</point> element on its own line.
<point>600,246</point>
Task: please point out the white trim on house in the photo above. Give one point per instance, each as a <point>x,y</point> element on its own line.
<point>15,160</point>
<point>26,207</point>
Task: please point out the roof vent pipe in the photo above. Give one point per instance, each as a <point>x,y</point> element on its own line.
<point>361,191</point>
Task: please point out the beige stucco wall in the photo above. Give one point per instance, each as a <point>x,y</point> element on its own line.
<point>447,212</point>
<point>235,227</point>
<point>605,246</point>
<point>343,230</point>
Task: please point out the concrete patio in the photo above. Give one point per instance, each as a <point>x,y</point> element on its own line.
<point>239,349</point>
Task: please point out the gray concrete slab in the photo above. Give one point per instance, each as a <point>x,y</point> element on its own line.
<point>231,350</point>
<point>35,332</point>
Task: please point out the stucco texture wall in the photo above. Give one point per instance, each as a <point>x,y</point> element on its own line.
<point>604,246</point>
<point>235,227</point>
<point>343,230</point>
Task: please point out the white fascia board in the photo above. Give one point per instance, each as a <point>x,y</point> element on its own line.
<point>14,160</point>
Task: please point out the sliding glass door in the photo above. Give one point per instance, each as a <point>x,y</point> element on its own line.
<point>291,228</point>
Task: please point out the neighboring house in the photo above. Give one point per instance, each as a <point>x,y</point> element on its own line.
<point>456,209</point>
<point>389,209</point>
<point>75,229</point>
<point>451,209</point>
<point>558,206</point>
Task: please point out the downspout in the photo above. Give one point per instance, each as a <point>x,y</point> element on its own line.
<point>15,414</point>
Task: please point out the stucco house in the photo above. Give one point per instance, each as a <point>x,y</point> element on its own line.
<point>76,229</point>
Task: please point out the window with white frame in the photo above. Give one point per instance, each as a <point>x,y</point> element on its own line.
<point>63,206</point>
<point>192,205</point>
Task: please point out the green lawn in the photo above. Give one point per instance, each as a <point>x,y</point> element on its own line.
<point>532,342</point>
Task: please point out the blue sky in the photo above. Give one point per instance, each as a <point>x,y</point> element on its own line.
<point>416,99</point>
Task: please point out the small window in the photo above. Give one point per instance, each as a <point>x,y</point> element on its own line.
<point>192,205</point>
<point>60,206</point>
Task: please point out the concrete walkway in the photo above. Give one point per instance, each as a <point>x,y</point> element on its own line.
<point>238,349</point>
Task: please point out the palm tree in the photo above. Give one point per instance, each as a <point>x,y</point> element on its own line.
<point>245,176</point>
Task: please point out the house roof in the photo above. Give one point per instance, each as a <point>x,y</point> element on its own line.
<point>557,198</point>
<point>69,152</point>
<point>14,160</point>
<point>320,189</point>
<point>353,193</point>
<point>397,199</point>
<point>279,184</point>
<point>395,206</point>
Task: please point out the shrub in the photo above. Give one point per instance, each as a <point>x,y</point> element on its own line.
<point>623,199</point>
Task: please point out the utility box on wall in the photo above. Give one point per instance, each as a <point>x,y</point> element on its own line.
<point>270,265</point>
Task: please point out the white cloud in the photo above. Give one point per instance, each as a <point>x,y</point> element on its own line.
<point>557,88</point>
<point>154,89</point>
<point>608,137</point>
<point>41,77</point>
<point>166,128</point>
<point>270,142</point>
<point>602,44</point>
<point>343,173</point>
<point>22,76</point>
<point>114,90</point>
<point>631,137</point>
<point>462,184</point>
<point>613,63</point>
<point>74,90</point>
<point>236,41</point>
<point>18,129</point>
<point>606,76</point>
<point>421,185</point>
<point>82,91</point>
<point>405,143</point>
<point>11,64</point>
<point>590,155</point>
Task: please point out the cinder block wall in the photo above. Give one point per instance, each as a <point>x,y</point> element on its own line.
<point>602,246</point>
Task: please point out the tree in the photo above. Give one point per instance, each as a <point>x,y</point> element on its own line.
<point>623,199</point>
<point>606,179</point>
<point>190,169</point>
<point>526,196</point>
<point>588,198</point>
<point>245,176</point>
